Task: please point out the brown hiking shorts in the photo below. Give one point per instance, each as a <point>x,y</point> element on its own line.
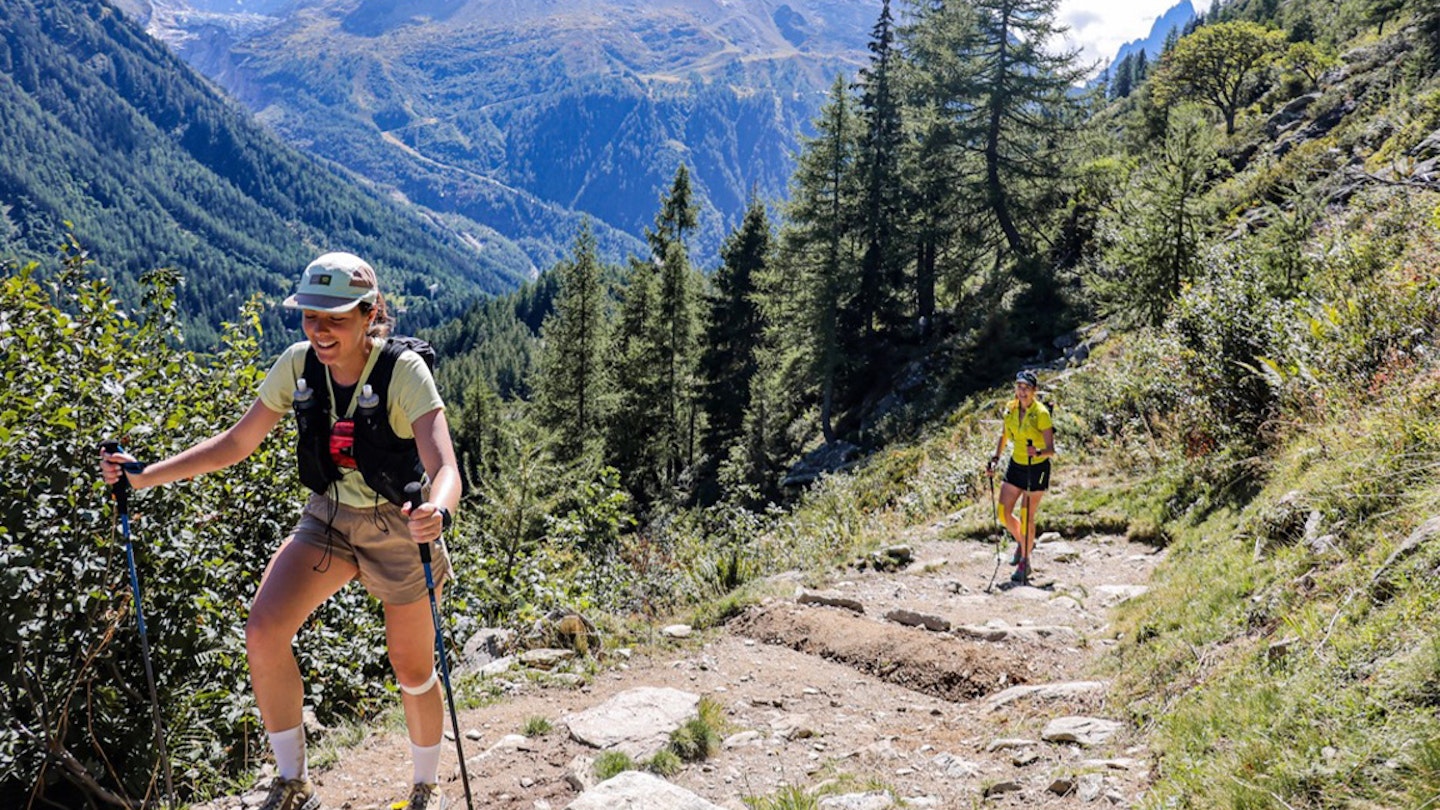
<point>376,541</point>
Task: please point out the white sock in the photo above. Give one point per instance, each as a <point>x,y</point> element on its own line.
<point>427,763</point>
<point>289,748</point>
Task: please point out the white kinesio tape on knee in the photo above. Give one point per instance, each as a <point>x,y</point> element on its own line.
<point>422,688</point>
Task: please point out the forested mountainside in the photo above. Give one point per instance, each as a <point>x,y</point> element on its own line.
<point>522,115</point>
<point>102,127</point>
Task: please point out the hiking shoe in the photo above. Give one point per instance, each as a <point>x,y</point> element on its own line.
<point>291,794</point>
<point>1022,572</point>
<point>426,797</point>
<point>1016,558</point>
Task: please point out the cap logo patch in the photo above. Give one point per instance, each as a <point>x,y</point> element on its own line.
<point>320,278</point>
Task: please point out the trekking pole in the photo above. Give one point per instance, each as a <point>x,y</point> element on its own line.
<point>412,493</point>
<point>1029,527</point>
<point>121,492</point>
<point>1000,539</point>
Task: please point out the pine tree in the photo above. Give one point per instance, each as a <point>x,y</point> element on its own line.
<point>570,385</point>
<point>630,441</point>
<point>734,330</point>
<point>1011,104</point>
<point>1124,77</point>
<point>821,243</point>
<point>940,170</point>
<point>653,435</point>
<point>1156,247</point>
<point>877,305</point>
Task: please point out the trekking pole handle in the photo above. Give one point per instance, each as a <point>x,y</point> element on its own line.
<point>412,494</point>
<point>121,488</point>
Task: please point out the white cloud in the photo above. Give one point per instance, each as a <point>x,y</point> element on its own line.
<point>1099,27</point>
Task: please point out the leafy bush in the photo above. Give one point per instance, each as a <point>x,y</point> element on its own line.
<point>1224,326</point>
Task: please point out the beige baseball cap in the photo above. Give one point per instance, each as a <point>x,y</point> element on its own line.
<point>335,282</point>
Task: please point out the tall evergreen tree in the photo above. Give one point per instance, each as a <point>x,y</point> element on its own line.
<point>1156,244</point>
<point>821,244</point>
<point>1010,101</point>
<point>1141,69</point>
<point>656,426</point>
<point>635,367</point>
<point>940,169</point>
<point>878,304</point>
<point>733,332</point>
<point>570,385</point>
<point>1124,77</point>
<point>1022,114</point>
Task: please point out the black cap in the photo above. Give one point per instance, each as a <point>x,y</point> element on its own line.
<point>1028,377</point>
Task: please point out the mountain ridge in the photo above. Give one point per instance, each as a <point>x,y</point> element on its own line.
<point>590,107</point>
<point>1174,18</point>
<point>106,129</point>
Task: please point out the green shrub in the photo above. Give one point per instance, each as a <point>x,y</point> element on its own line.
<point>790,797</point>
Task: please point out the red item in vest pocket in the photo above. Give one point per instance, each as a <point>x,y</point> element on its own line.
<point>342,444</point>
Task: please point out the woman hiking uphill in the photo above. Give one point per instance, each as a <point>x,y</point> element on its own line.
<point>357,457</point>
<point>1028,428</point>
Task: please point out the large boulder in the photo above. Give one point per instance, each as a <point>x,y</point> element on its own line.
<point>833,457</point>
<point>637,722</point>
<point>635,790</point>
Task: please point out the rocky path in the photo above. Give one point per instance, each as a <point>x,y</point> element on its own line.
<point>910,687</point>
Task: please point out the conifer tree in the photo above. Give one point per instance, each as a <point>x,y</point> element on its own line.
<point>821,244</point>
<point>655,430</point>
<point>1010,99</point>
<point>1156,244</point>
<point>570,385</point>
<point>733,331</point>
<point>878,304</point>
<point>634,354</point>
<point>940,170</point>
<point>1124,77</point>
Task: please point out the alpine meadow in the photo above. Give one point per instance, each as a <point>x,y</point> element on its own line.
<point>728,300</point>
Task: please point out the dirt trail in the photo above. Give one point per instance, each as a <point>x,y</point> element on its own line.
<point>817,694</point>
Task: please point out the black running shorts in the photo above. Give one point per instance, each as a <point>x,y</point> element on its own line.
<point>1031,478</point>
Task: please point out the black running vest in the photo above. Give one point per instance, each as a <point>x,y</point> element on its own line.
<point>386,461</point>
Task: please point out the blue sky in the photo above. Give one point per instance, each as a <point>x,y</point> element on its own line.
<point>1100,27</point>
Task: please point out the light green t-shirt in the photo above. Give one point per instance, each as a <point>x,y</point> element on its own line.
<point>412,394</point>
<point>1031,425</point>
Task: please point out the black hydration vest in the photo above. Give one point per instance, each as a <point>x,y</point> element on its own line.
<point>386,461</point>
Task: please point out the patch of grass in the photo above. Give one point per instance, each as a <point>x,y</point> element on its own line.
<point>790,797</point>
<point>695,740</point>
<point>712,714</point>
<point>612,763</point>
<point>665,763</point>
<point>537,726</point>
<point>333,744</point>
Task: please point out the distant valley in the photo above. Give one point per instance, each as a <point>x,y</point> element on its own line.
<point>525,117</point>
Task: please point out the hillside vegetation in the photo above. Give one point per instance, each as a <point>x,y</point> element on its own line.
<point>1260,243</point>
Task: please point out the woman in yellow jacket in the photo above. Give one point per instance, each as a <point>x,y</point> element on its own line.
<point>1027,426</point>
